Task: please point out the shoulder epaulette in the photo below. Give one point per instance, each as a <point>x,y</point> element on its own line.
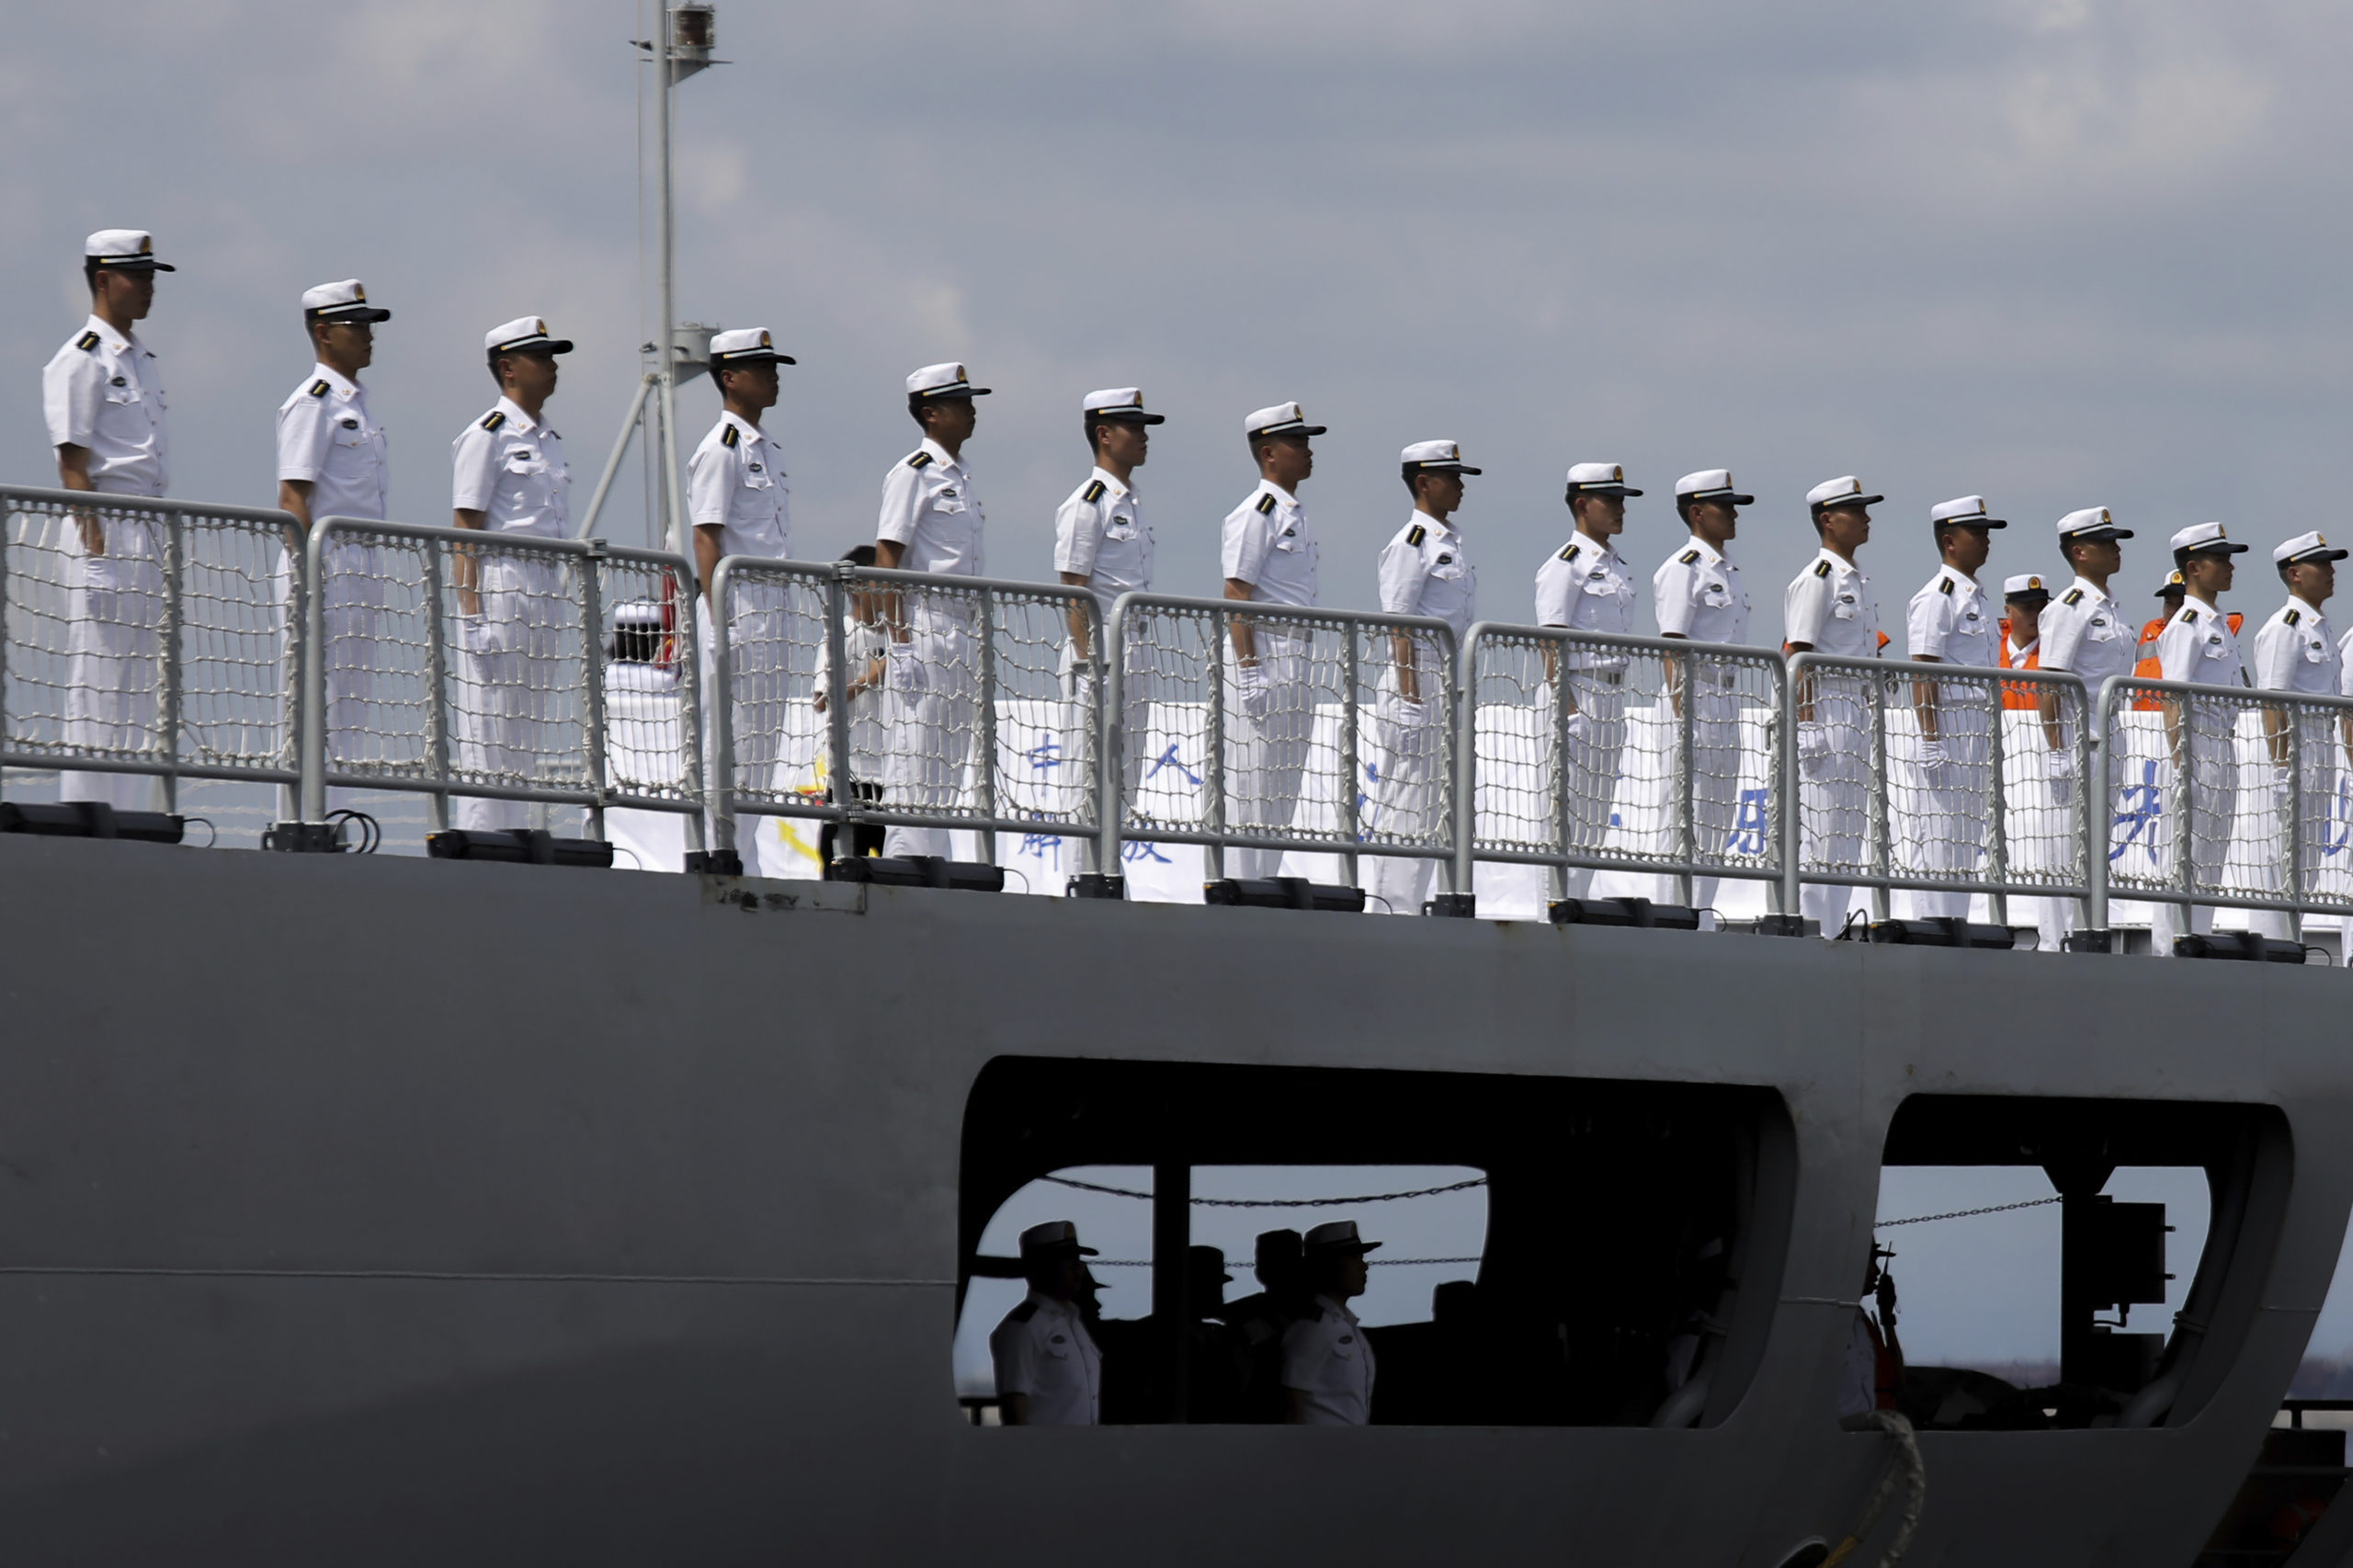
<point>494,419</point>
<point>1569,553</point>
<point>1688,558</point>
<point>920,461</point>
<point>319,388</point>
<point>2293,617</point>
<point>1315,1311</point>
<point>2189,616</point>
<point>1023,1313</point>
<point>1415,534</point>
<point>87,343</point>
<point>2072,596</point>
<point>1944,586</point>
<point>1822,569</point>
<point>730,435</point>
<point>1093,491</point>
<point>1265,504</point>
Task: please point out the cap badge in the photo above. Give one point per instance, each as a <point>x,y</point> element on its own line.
<point>2034,584</point>
<point>542,326</point>
<point>764,341</point>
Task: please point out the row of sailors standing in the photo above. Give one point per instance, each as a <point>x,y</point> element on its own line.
<point>104,406</point>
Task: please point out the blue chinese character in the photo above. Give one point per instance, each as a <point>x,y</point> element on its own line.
<point>2339,832</point>
<point>1040,844</point>
<point>1137,849</point>
<point>1168,759</point>
<point>1047,753</point>
<point>1748,827</point>
<point>2141,804</point>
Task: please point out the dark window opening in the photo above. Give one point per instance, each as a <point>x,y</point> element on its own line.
<point>1617,1263</point>
<point>2066,1263</point>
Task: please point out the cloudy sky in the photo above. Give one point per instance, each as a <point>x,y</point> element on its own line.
<point>2060,252</point>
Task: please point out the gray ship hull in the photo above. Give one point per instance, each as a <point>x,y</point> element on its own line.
<point>386,1211</point>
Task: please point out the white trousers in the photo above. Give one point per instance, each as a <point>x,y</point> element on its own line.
<point>2314,791</point>
<point>353,600</point>
<point>930,730</point>
<point>1267,756</point>
<point>114,664</point>
<point>1588,768</point>
<point>1715,783</point>
<point>1946,826</point>
<point>757,646</point>
<point>2213,814</point>
<point>1835,799</point>
<point>1411,738</point>
<point>511,701</point>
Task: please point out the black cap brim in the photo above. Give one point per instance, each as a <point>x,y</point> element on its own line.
<point>1127,415</point>
<point>1446,467</point>
<point>137,266</point>
<point>2093,535</point>
<point>765,356</point>
<point>1968,523</point>
<point>1729,498</point>
<point>1855,502</point>
<point>2221,547</point>
<point>1287,430</point>
<point>1619,490</point>
<point>2023,594</point>
<point>363,313</point>
<point>943,395</point>
<point>2316,556</point>
<point>1343,1249</point>
<point>547,345</point>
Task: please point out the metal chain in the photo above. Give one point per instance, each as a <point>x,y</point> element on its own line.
<point>1963,1214</point>
<point>1236,1263</point>
<point>1279,1202</point>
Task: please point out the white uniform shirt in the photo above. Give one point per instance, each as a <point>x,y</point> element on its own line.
<point>1950,619</point>
<point>1829,606</point>
<point>327,435</point>
<point>1424,571</point>
<point>1044,1351</point>
<point>510,468</point>
<point>1100,533</point>
<point>1584,586</point>
<point>736,484</point>
<point>1327,1357</point>
<point>929,506</point>
<point>2345,662</point>
<point>1697,593</point>
<point>2198,645</point>
<point>1267,544</point>
<point>102,390</point>
<point>2296,651</point>
<point>2084,633</point>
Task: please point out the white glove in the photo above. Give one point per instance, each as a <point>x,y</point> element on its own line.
<point>905,674</point>
<point>1578,729</point>
<point>1251,693</point>
<point>2283,783</point>
<point>1813,747</point>
<point>2060,769</point>
<point>1934,759</point>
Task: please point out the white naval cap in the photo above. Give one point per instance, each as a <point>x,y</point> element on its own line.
<point>2307,547</point>
<point>524,335</point>
<point>1055,1235</point>
<point>1120,402</point>
<point>746,345</point>
<point>1710,485</point>
<point>2206,539</point>
<point>2025,585</point>
<point>638,612</point>
<point>1436,457</point>
<point>1282,419</point>
<point>125,250</point>
<point>943,380</point>
<point>2172,584</point>
<point>346,300</point>
<point>1843,490</point>
<point>1601,479</point>
<point>1336,1235</point>
<point>2091,523</point>
<point>1966,510</point>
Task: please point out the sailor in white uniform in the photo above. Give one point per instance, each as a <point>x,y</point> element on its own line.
<point>103,399</point>
<point>1102,543</point>
<point>1425,569</point>
<point>740,505</point>
<point>510,478</point>
<point>2296,652</point>
<point>1328,1368</point>
<point>1697,595</point>
<point>1268,557</point>
<point>2085,633</point>
<point>2039,828</point>
<point>331,464</point>
<point>1828,608</point>
<point>1586,585</point>
<point>932,521</point>
<point>2198,645</point>
<point>1951,621</point>
<point>1049,1372</point>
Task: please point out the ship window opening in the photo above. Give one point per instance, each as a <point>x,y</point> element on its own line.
<point>1553,1252</point>
<point>2041,1256</point>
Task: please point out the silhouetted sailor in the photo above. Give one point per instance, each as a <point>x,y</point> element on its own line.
<point>1328,1362</point>
<point>1049,1372</point>
<point>1259,1319</point>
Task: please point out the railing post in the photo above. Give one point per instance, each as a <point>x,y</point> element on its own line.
<point>720,771</point>
<point>310,725</point>
<point>1557,766</point>
<point>437,687</point>
<point>1451,689</point>
<point>1792,811</point>
<point>1464,767</point>
<point>1110,731</point>
<point>1686,789</point>
<point>1997,839</point>
<point>2295,879</point>
<point>985,776</point>
<point>2185,763</point>
<point>175,647</point>
<point>1213,757</point>
<point>1351,820</point>
<point>592,669</point>
<point>839,785</point>
<point>1882,830</point>
<point>680,589</point>
<point>2096,752</point>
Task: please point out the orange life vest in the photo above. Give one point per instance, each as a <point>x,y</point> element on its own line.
<point>2146,665</point>
<point>2020,696</point>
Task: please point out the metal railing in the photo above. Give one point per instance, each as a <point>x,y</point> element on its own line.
<point>947,702</point>
<point>1244,727</point>
<point>154,637</point>
<point>1938,777</point>
<point>1585,753</point>
<point>2223,796</point>
<point>498,667</point>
